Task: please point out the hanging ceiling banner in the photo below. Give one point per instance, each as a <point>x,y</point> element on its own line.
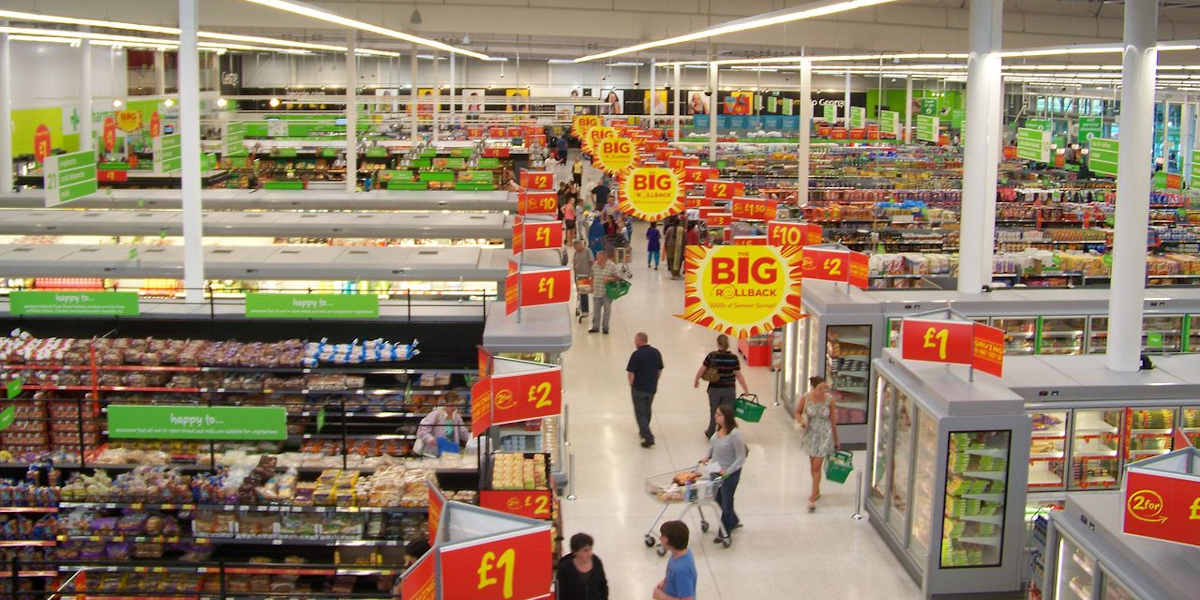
<point>615,155</point>
<point>742,291</point>
<point>651,194</point>
<point>593,137</point>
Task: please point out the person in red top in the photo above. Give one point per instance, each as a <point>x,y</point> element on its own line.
<point>692,238</point>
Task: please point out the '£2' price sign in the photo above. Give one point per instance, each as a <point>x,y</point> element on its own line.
<point>537,180</point>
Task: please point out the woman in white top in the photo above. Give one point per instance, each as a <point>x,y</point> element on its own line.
<point>443,422</point>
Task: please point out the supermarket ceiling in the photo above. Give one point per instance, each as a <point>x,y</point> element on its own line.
<point>572,28</point>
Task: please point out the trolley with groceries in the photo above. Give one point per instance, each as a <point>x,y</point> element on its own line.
<point>693,487</point>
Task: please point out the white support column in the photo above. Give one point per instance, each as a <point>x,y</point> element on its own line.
<point>803,131</point>
<point>1133,186</point>
<point>6,149</point>
<point>437,91</point>
<point>846,106</point>
<point>85,94</point>
<point>653,89</point>
<point>1187,136</point>
<point>412,103</point>
<point>351,112</point>
<point>1166,140</point>
<point>675,90</point>
<point>453,93</point>
<point>714,108</point>
<point>908,109</point>
<point>160,73</point>
<point>189,130</point>
<point>982,132</point>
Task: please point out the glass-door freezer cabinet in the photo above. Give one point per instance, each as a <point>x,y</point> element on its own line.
<point>949,460</point>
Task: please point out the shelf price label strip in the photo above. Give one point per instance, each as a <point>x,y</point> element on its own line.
<point>957,342</point>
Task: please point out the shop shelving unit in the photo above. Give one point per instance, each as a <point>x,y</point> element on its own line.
<point>321,200</point>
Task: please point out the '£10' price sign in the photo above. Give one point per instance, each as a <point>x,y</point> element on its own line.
<point>510,568</point>
<point>537,203</point>
<point>780,233</point>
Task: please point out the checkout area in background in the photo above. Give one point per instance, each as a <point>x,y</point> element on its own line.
<point>962,471</point>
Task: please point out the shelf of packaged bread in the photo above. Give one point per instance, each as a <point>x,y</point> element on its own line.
<point>246,507</point>
<point>23,543</point>
<point>364,370</point>
<point>28,509</point>
<point>107,388</point>
<point>297,569</point>
<point>240,539</point>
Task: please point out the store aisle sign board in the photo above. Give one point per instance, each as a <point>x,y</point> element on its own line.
<point>1162,499</point>
<point>754,209</point>
<point>1090,127</point>
<point>187,422</point>
<point>545,286</point>
<point>168,153</point>
<point>1046,125</point>
<point>536,235</point>
<point>1103,155</point>
<point>513,567</point>
<point>420,580</point>
<point>699,175</point>
<point>742,291</point>
<point>1033,144</point>
<point>516,391</point>
<point>927,129</point>
<point>719,189</point>
<point>782,233</point>
<point>532,504</point>
<point>232,140</point>
<point>858,117</point>
<point>312,306</point>
<point>68,177</point>
<point>889,122</point>
<point>113,304</point>
<point>537,203</point>
<point>537,180</point>
<point>829,112</point>
<point>957,342</point>
<point>836,264</point>
<point>651,193</point>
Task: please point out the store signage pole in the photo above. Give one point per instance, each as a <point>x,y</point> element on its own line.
<point>1133,186</point>
<point>160,73</point>
<point>85,94</point>
<point>437,91</point>
<point>412,95</point>
<point>653,89</point>
<point>676,91</point>
<point>908,109</point>
<point>189,130</point>
<point>804,131</point>
<point>1166,139</point>
<point>982,137</point>
<point>6,150</point>
<point>846,106</point>
<point>1187,134</point>
<point>351,111</point>
<point>453,95</point>
<point>714,109</point>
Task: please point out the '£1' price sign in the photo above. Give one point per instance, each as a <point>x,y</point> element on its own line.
<point>511,568</point>
<point>936,340</point>
<point>546,286</point>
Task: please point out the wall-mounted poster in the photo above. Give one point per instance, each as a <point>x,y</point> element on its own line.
<point>660,102</point>
<point>517,105</point>
<point>738,103</point>
<point>424,107</point>
<point>697,103</point>
<point>473,100</point>
<point>614,102</point>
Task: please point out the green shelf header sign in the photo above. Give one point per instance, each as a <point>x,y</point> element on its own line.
<point>927,128</point>
<point>830,113</point>
<point>889,122</point>
<point>1033,144</point>
<point>122,304</point>
<point>858,117</point>
<point>1102,156</point>
<point>68,177</point>
<point>197,422</point>
<point>1090,127</point>
<point>312,306</point>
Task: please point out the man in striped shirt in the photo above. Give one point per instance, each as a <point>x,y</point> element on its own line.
<point>729,372</point>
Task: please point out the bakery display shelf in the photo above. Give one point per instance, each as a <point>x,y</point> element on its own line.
<point>364,414</point>
<point>240,539</point>
<point>133,595</point>
<point>247,507</point>
<point>363,370</point>
<point>28,509</point>
<point>230,568</point>
<point>107,388</point>
<point>22,543</point>
<point>352,436</point>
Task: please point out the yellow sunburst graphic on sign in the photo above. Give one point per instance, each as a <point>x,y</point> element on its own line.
<point>742,291</point>
<point>650,194</point>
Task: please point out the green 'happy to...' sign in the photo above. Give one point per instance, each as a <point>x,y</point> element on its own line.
<point>1090,127</point>
<point>123,304</point>
<point>312,306</point>
<point>197,422</point>
<point>1102,156</point>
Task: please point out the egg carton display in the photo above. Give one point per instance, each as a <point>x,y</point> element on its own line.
<point>520,471</point>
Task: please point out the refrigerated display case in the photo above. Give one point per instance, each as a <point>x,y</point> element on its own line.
<point>1148,432</point>
<point>1048,450</point>
<point>1160,334</point>
<point>847,369</point>
<point>1095,458</point>
<point>1020,334</point>
<point>953,476</point>
<point>1094,559</point>
<point>1062,335</point>
<point>1189,424</point>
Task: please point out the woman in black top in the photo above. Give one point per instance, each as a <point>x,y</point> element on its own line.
<point>580,573</point>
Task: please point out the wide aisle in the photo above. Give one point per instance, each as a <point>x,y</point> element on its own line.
<point>781,547</point>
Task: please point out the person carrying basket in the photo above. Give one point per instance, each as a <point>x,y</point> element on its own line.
<point>815,414</point>
<point>728,450</point>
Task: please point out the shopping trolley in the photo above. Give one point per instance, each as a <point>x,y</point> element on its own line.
<point>690,487</point>
<point>583,285</point>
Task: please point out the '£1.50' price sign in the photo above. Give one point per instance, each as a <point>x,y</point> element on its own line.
<point>754,209</point>
<point>510,568</point>
<point>959,342</point>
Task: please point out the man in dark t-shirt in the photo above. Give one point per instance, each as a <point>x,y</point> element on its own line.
<point>600,193</point>
<point>644,367</point>
<point>729,373</point>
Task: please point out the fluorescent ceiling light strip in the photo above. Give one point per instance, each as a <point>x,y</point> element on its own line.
<point>87,35</point>
<point>1065,50</point>
<point>808,11</point>
<point>323,15</point>
<point>37,18</point>
<point>44,39</point>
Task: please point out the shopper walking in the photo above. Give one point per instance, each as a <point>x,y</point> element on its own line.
<point>604,272</point>
<point>680,582</point>
<point>815,414</point>
<point>577,171</point>
<point>596,235</point>
<point>580,574</point>
<point>653,246</point>
<point>692,237</point>
<point>600,193</point>
<point>644,368</point>
<point>581,263</point>
<point>568,214</point>
<point>727,449</point>
<point>721,369</point>
<point>674,241</point>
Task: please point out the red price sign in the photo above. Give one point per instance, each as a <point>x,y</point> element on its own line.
<point>665,154</point>
<point>474,133</point>
<point>155,124</point>
<point>1162,505</point>
<point>694,201</point>
<point>749,240</point>
<point>537,203</point>
<point>830,265</point>
<point>793,234</point>
<point>419,581</point>
<point>526,396</point>
<point>436,502</point>
<point>987,349</point>
<point>110,134</point>
<point>512,289</point>
<point>112,175</point>
<point>481,405</point>
<point>538,236</point>
<point>858,273</point>
<point>718,219</point>
<point>937,340</point>
<point>723,190</point>
<point>514,132</point>
<point>699,174</point>
<point>511,568</point>
<point>680,162</point>
<point>41,143</point>
<point>534,504</point>
<point>497,132</point>
<point>754,209</point>
<point>537,180</point>
<point>549,286</point>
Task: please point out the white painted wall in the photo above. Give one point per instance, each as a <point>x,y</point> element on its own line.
<point>46,75</point>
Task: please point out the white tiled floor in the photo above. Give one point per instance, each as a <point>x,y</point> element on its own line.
<point>783,551</point>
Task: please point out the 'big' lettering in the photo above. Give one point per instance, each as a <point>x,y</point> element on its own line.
<point>726,271</point>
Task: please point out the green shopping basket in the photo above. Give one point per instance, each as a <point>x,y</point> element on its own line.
<point>839,466</point>
<point>616,289</point>
<point>747,408</point>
